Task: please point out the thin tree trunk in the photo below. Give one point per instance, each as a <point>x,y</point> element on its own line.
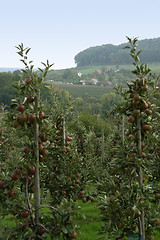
<point>102,155</point>
<point>141,218</point>
<point>37,179</point>
<point>123,128</point>
<point>64,132</point>
<point>0,228</point>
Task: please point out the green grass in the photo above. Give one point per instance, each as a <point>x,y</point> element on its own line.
<point>89,221</point>
<point>83,91</point>
<point>155,67</point>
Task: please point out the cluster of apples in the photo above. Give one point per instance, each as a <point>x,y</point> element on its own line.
<point>137,103</point>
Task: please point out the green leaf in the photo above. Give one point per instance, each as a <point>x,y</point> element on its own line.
<point>126,47</point>
<point>28,50</point>
<point>64,230</point>
<point>139,52</point>
<point>43,64</point>
<point>40,69</point>
<point>47,87</point>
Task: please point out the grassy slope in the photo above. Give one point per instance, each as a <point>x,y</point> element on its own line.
<point>84,90</point>
<point>155,67</point>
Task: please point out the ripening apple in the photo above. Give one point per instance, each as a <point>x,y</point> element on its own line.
<point>41,115</point>
<point>14,176</point>
<point>11,193</point>
<point>21,108</point>
<point>31,118</point>
<point>137,97</point>
<point>144,88</point>
<point>84,200</point>
<point>24,214</point>
<point>157,195</point>
<point>13,147</point>
<point>41,148</point>
<point>74,235</point>
<point>30,99</point>
<point>78,175</point>
<point>15,124</point>
<point>148,112</point>
<point>41,231</point>
<point>22,118</point>
<point>146,127</point>
<point>136,112</point>
<point>142,145</point>
<point>157,222</point>
<point>45,152</point>
<point>28,80</point>
<point>144,105</point>
<point>2,184</point>
<point>32,170</point>
<point>131,119</point>
<point>25,149</point>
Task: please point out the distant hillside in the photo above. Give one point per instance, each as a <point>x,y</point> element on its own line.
<point>8,69</point>
<point>110,54</point>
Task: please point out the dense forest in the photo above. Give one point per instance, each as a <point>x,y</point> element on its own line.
<point>116,54</point>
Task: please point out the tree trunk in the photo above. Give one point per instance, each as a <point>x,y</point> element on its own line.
<point>123,128</point>
<point>64,131</point>
<point>141,218</point>
<point>37,179</point>
<point>102,155</point>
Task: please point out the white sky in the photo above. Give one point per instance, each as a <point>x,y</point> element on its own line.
<point>57,30</point>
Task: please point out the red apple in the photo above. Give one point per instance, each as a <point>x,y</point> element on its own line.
<point>41,148</point>
<point>131,119</point>
<point>31,118</point>
<point>41,115</point>
<point>45,152</point>
<point>137,97</point>
<point>148,112</point>
<point>78,175</point>
<point>32,170</point>
<point>24,214</point>
<point>136,112</point>
<point>30,99</point>
<point>74,235</point>
<point>28,80</point>
<point>2,184</point>
<point>25,149</point>
<point>21,108</point>
<point>14,176</point>
<point>84,200</point>
<point>22,118</point>
<point>11,193</point>
<point>41,231</point>
<point>146,127</point>
<point>15,124</point>
<point>144,88</point>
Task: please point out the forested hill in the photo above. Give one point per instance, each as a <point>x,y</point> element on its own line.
<point>110,54</point>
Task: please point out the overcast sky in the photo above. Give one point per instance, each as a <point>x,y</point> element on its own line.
<point>57,30</point>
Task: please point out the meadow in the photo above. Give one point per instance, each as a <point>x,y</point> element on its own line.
<point>83,91</point>
<point>155,67</point>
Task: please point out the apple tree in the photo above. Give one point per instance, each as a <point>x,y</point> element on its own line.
<point>128,206</point>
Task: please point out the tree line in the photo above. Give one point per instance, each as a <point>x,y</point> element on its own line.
<point>109,54</point>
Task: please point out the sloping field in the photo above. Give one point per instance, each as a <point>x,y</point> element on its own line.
<point>83,91</point>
